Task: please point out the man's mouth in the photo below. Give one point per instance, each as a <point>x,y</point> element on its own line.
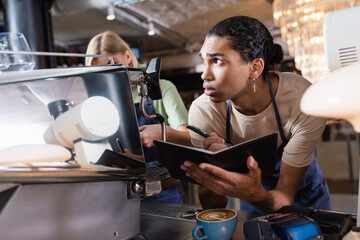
<point>209,91</point>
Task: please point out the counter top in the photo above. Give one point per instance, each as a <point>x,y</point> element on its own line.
<point>157,225</point>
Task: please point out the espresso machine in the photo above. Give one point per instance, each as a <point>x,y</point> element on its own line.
<point>59,198</point>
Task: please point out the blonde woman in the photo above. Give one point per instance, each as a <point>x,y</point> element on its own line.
<point>171,106</point>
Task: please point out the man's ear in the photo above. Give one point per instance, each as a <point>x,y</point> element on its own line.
<point>257,67</point>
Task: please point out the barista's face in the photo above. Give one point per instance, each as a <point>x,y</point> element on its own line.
<point>119,58</point>
<point>225,74</point>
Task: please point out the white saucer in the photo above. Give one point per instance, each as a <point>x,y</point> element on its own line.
<point>34,153</point>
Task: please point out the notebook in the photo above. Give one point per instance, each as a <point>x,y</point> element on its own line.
<point>233,158</point>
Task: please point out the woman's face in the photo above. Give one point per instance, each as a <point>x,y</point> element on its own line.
<point>225,74</point>
<point>119,58</point>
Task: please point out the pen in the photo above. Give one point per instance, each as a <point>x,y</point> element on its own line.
<point>197,130</point>
<point>204,134</point>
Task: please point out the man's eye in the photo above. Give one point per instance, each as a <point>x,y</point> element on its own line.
<point>218,61</point>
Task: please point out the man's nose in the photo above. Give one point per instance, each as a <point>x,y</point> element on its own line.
<point>207,73</point>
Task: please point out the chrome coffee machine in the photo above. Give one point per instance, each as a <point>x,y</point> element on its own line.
<point>56,198</point>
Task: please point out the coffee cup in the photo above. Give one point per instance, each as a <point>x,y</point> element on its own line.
<point>215,224</point>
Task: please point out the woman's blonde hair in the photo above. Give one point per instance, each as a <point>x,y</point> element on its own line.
<point>111,43</point>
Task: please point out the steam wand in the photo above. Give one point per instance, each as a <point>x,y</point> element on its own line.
<point>56,54</point>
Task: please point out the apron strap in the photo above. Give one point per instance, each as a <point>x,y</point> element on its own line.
<point>277,114</point>
<point>228,118</point>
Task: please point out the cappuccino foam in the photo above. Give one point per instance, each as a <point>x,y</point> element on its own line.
<point>215,215</point>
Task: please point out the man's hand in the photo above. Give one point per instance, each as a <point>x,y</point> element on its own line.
<point>245,186</point>
<point>214,143</point>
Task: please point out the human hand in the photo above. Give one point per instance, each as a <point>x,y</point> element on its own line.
<point>149,133</point>
<point>214,143</point>
<point>245,186</point>
<point>134,156</point>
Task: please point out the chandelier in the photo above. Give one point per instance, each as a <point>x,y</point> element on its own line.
<point>301,23</point>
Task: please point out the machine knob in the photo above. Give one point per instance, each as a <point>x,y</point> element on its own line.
<point>138,186</point>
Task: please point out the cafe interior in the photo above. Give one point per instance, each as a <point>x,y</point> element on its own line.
<point>62,180</point>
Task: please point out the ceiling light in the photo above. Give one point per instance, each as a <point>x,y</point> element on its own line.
<point>110,13</point>
<point>151,29</point>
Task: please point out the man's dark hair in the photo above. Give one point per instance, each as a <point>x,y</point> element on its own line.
<point>250,38</point>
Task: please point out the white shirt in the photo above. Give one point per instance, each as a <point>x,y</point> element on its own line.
<point>303,131</point>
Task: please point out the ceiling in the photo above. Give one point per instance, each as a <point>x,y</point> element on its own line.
<point>180,25</point>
